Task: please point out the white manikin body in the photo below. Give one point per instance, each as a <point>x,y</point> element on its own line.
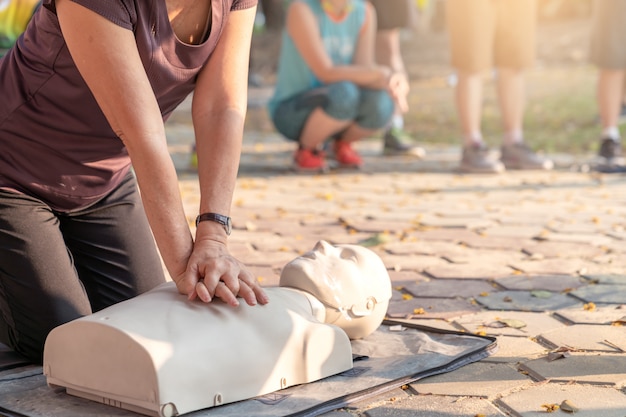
<point>159,354</point>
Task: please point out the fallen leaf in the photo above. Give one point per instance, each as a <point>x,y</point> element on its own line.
<point>375,240</point>
<point>552,356</point>
<point>568,407</point>
<point>550,408</point>
<point>516,324</point>
<point>541,294</point>
<point>418,311</point>
<point>589,307</point>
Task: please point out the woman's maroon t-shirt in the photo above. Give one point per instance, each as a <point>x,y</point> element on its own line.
<point>55,143</point>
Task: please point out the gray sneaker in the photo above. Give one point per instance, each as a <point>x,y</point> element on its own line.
<point>520,156</point>
<point>478,159</point>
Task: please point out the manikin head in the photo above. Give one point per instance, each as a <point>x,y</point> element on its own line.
<point>349,280</point>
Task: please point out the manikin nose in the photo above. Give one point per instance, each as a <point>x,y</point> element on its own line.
<point>323,247</point>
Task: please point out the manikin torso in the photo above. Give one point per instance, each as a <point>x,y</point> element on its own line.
<point>159,354</point>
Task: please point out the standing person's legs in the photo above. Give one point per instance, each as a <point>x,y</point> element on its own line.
<point>608,54</point>
<point>55,268</point>
<point>514,52</point>
<point>471,27</point>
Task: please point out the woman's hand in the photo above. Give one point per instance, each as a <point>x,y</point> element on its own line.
<point>212,272</point>
<point>399,89</point>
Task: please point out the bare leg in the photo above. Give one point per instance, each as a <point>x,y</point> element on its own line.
<point>511,95</point>
<point>319,127</point>
<point>469,97</point>
<point>354,133</point>
<point>609,94</point>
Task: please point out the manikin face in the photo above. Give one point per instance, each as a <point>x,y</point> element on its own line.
<point>350,280</point>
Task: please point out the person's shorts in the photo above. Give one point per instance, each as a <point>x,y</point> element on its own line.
<point>608,34</point>
<point>393,14</point>
<point>488,33</point>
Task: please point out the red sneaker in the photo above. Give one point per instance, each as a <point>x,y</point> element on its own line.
<point>309,160</point>
<point>346,155</point>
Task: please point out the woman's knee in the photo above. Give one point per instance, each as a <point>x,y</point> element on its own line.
<point>376,109</point>
<point>343,100</point>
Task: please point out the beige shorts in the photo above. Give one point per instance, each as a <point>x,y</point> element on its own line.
<point>491,33</point>
<point>608,34</point>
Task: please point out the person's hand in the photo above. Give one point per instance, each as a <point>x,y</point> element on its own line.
<point>212,272</point>
<point>399,90</point>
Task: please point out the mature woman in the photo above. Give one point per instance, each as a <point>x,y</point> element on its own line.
<point>85,92</point>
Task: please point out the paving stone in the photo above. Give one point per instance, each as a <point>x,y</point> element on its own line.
<point>525,301</point>
<point>552,266</point>
<point>446,235</point>
<point>376,226</point>
<point>409,247</point>
<point>494,323</point>
<point>580,368</point>
<point>591,401</point>
<point>616,279</point>
<point>501,257</point>
<point>479,379</point>
<point>513,349</point>
<point>608,294</point>
<point>267,277</point>
<point>469,271</point>
<point>430,308</point>
<point>448,288</point>
<point>412,263</point>
<point>403,277</point>
<point>454,222</point>
<point>554,283</point>
<point>436,406</point>
<point>581,228</point>
<point>527,232</point>
<point>587,337</point>
<point>599,315</point>
<point>489,242</point>
<point>563,249</point>
<point>595,240</point>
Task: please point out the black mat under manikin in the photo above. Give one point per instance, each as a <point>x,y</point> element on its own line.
<point>387,359</point>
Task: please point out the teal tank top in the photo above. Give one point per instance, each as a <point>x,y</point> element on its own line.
<point>340,40</point>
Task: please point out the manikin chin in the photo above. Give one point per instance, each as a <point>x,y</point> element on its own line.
<point>159,354</point>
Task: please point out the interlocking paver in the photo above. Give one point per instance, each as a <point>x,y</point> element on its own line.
<point>480,379</point>
<point>513,349</point>
<point>587,337</point>
<point>609,294</point>
<point>526,301</point>
<point>581,368</point>
<point>469,271</point>
<point>564,249</point>
<point>597,315</point>
<point>449,288</point>
<point>509,323</point>
<point>617,279</point>
<point>591,401</point>
<point>554,283</point>
<point>442,308</point>
<point>435,406</point>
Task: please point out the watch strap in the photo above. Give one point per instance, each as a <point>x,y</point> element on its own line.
<point>217,218</point>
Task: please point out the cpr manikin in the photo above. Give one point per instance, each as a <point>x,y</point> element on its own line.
<point>159,354</point>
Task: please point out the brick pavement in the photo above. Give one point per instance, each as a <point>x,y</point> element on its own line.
<point>537,259</point>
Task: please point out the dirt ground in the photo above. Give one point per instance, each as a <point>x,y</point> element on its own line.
<point>561,111</point>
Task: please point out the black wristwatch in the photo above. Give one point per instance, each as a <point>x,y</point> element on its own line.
<point>217,218</point>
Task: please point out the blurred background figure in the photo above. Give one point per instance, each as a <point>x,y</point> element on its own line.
<point>393,16</point>
<point>487,34</point>
<point>608,53</point>
<point>328,85</point>
<point>14,16</point>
